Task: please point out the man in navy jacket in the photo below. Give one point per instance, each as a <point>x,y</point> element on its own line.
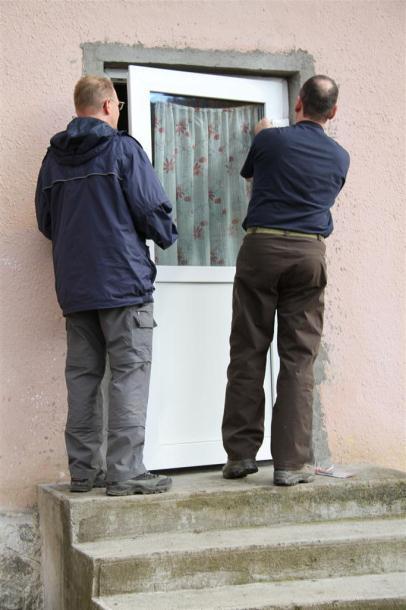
<point>98,199</point>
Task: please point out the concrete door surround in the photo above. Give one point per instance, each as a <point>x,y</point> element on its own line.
<point>296,66</point>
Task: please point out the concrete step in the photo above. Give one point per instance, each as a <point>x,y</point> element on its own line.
<point>200,501</point>
<point>186,560</point>
<point>354,592</point>
<point>211,532</point>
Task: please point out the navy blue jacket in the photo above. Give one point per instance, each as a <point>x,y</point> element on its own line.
<point>98,199</point>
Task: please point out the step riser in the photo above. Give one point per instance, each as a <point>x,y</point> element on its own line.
<point>256,507</point>
<point>379,604</point>
<point>353,592</point>
<point>245,565</point>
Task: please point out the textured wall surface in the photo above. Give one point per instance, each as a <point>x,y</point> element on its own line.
<point>358,43</point>
<point>20,586</point>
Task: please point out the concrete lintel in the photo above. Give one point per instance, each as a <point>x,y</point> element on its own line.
<point>296,66</point>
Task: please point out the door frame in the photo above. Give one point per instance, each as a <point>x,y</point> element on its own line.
<point>167,81</point>
<point>141,81</point>
<point>203,83</point>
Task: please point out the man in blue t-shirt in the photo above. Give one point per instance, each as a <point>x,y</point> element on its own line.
<point>297,173</point>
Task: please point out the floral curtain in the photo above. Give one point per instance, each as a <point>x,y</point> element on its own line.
<point>198,154</point>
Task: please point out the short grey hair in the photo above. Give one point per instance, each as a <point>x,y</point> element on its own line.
<point>91,91</point>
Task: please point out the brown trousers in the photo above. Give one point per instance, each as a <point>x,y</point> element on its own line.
<point>286,275</point>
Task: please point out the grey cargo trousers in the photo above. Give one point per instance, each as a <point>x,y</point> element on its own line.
<point>125,334</point>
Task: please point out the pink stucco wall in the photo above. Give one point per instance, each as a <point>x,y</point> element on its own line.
<point>361,45</point>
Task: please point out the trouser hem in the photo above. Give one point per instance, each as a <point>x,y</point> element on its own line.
<point>235,458</point>
<point>87,474</point>
<point>291,466</point>
<point>124,477</point>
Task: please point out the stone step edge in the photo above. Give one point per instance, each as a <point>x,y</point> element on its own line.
<point>281,536</point>
<point>100,518</point>
<point>387,590</point>
<point>323,485</point>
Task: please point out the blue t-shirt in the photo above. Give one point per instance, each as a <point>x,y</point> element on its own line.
<point>297,173</point>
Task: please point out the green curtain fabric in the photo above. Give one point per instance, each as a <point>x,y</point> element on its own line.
<point>198,155</point>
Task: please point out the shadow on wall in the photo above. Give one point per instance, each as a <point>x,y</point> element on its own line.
<point>321,450</point>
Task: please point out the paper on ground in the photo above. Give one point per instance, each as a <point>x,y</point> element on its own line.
<point>334,471</point>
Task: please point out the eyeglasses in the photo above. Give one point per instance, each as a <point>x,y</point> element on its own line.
<point>119,104</point>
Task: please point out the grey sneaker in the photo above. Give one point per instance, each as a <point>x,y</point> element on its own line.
<point>146,483</point>
<point>237,469</point>
<point>293,477</point>
<point>81,485</point>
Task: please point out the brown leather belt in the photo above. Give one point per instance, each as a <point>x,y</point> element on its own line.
<point>283,233</point>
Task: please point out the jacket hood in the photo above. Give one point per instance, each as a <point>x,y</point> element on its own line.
<point>84,138</point>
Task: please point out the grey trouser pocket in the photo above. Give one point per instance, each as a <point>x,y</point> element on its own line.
<point>143,323</point>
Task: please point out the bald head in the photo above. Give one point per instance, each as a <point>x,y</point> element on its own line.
<point>319,98</point>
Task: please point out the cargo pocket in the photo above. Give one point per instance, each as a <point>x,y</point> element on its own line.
<point>142,334</point>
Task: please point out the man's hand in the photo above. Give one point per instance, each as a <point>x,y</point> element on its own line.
<point>262,124</point>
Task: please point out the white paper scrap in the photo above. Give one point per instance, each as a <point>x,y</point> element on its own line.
<point>334,471</point>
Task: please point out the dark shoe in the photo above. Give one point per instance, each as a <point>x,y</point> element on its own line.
<point>146,483</point>
<point>293,477</point>
<point>80,485</point>
<point>237,469</point>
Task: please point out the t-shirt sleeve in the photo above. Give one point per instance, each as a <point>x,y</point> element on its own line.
<point>345,165</point>
<point>247,170</point>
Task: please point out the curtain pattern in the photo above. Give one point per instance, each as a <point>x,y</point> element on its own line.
<point>198,155</point>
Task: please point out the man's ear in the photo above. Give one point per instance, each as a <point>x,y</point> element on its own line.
<point>106,106</point>
<point>298,104</point>
<point>332,113</point>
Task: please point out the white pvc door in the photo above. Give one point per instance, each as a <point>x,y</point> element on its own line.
<point>177,115</point>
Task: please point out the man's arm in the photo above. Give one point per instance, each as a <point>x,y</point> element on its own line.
<point>149,205</point>
<point>247,170</point>
<point>42,208</point>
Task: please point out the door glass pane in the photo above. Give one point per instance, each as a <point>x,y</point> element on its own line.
<point>199,147</point>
